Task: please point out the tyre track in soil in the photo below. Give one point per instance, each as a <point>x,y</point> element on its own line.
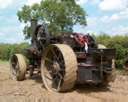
<point>32,90</point>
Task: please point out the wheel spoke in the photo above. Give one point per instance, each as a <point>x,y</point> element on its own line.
<point>47,76</point>
<point>58,58</point>
<point>17,67</point>
<point>54,54</point>
<point>61,62</point>
<point>14,72</point>
<point>61,65</point>
<point>58,88</point>
<point>59,83</point>
<point>47,59</point>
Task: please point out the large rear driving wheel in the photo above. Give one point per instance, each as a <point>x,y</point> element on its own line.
<point>59,66</point>
<point>18,67</point>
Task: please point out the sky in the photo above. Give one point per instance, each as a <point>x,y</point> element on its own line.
<point>108,16</point>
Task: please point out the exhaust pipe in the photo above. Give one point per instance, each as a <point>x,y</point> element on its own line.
<point>33,28</point>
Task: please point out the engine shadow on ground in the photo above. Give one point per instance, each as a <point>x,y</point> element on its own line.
<point>36,77</point>
<point>84,88</point>
<point>87,88</point>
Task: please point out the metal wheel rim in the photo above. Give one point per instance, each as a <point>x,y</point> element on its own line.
<point>51,79</point>
<point>14,67</point>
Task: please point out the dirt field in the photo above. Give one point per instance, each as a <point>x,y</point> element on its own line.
<point>32,90</point>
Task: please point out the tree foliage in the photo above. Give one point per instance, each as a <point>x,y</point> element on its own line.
<point>6,50</point>
<point>120,43</point>
<point>61,15</point>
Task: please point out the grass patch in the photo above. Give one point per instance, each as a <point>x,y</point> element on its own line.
<point>121,71</point>
<point>3,62</point>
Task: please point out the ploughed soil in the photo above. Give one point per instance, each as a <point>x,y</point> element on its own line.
<point>32,90</point>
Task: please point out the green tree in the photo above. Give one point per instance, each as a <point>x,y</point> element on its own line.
<point>61,15</point>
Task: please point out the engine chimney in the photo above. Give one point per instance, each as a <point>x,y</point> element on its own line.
<point>33,28</point>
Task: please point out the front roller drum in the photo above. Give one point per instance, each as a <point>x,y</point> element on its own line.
<point>59,67</point>
<point>18,67</point>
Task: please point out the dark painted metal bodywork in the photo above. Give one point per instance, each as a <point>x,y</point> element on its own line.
<point>95,65</point>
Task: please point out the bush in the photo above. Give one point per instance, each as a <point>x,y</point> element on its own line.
<point>120,43</point>
<point>6,50</point>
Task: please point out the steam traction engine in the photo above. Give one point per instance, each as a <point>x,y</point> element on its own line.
<point>64,60</point>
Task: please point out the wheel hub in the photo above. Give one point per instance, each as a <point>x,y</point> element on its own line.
<point>56,66</point>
